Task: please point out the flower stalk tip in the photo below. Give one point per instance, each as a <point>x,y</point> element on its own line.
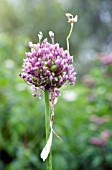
<point>71,20</point>
<point>51,34</point>
<point>40,36</point>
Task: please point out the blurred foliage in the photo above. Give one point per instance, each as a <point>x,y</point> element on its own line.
<point>83,113</point>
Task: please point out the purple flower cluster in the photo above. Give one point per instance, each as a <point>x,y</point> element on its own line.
<point>47,66</point>
<point>106,58</point>
<point>102,140</point>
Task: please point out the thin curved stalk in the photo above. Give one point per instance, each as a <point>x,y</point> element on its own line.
<point>71,29</point>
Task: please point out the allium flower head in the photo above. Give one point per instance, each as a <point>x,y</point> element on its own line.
<point>48,66</point>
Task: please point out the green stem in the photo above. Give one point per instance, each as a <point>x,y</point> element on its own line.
<point>71,29</point>
<point>47,126</point>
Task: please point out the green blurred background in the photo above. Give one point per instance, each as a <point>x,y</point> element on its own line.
<point>83,114</point>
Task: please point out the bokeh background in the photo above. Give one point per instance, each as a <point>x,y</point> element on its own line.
<point>83,114</point>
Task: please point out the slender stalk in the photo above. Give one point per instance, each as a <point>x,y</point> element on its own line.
<point>47,126</point>
<point>71,29</point>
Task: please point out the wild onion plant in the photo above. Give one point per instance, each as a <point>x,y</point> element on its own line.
<point>48,67</point>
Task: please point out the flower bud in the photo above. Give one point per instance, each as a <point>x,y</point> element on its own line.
<point>51,34</point>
